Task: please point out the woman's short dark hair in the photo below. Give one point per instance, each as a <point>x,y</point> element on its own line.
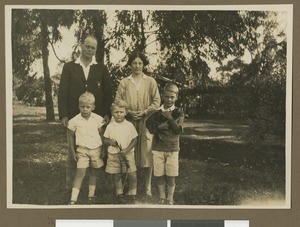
<point>137,54</point>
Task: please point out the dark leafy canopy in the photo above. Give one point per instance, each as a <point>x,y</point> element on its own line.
<point>130,27</point>
<point>24,50</point>
<point>32,32</point>
<point>214,34</point>
<point>261,84</point>
<point>189,38</point>
<point>92,22</point>
<point>186,42</point>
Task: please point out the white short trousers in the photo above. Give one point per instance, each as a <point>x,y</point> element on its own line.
<point>165,163</point>
<point>89,157</point>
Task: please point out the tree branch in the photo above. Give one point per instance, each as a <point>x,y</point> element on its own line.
<point>62,61</point>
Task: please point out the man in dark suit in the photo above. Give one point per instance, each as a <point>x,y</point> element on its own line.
<point>79,76</point>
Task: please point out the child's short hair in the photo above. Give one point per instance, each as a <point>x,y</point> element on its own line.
<point>87,97</point>
<point>171,87</point>
<point>119,103</point>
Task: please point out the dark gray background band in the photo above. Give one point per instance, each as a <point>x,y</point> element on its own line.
<point>141,223</point>
<point>197,223</point>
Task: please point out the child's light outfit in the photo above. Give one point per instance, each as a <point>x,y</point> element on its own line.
<point>123,132</point>
<point>88,140</point>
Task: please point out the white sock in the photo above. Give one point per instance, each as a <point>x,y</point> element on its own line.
<point>170,192</point>
<point>75,192</point>
<point>131,192</point>
<point>162,190</point>
<point>92,189</point>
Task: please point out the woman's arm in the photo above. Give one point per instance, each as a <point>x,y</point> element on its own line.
<point>155,98</point>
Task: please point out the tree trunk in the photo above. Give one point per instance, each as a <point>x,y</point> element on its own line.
<point>143,38</point>
<point>98,24</point>
<point>47,80</point>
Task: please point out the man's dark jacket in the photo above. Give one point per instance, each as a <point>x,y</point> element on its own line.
<point>73,84</point>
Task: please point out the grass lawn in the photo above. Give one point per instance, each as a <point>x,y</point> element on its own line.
<point>216,168</point>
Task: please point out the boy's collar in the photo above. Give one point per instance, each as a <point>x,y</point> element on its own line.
<point>169,109</point>
<point>112,120</point>
<point>91,116</point>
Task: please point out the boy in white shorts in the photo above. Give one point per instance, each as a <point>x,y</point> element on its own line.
<point>121,137</point>
<point>85,145</point>
<point>166,125</point>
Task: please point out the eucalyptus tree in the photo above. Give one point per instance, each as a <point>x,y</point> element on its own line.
<point>260,83</point>
<point>39,29</point>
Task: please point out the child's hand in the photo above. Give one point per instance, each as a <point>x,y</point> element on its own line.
<point>123,152</point>
<point>113,143</point>
<point>75,157</point>
<point>102,152</point>
<point>163,126</point>
<point>167,114</point>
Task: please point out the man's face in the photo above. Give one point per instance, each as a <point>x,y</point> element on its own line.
<point>89,48</point>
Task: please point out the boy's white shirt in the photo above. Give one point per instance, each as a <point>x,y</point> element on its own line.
<point>169,109</point>
<point>86,131</point>
<point>123,133</point>
<point>86,70</point>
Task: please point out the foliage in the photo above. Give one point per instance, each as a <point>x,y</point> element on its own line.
<point>31,91</point>
<point>261,84</point>
<point>185,42</point>
<point>92,22</point>
<point>37,28</point>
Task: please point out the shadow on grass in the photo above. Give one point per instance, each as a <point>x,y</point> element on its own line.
<point>235,154</point>
<point>198,184</point>
<point>212,171</point>
<point>44,184</point>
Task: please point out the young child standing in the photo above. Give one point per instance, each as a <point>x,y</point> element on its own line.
<point>166,125</point>
<point>85,144</point>
<point>121,138</point>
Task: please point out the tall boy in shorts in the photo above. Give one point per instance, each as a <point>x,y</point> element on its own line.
<point>166,125</point>
<point>85,145</point>
<point>121,138</point>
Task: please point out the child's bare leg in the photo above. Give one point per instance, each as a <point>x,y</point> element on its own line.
<point>117,179</point>
<point>148,177</point>
<point>92,181</point>
<point>80,173</point>
<point>132,179</point>
<point>171,188</point>
<point>161,187</point>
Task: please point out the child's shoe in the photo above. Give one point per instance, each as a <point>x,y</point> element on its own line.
<point>162,201</point>
<point>148,193</point>
<point>170,202</point>
<point>131,199</point>
<point>72,202</point>
<point>120,199</point>
<point>91,200</point>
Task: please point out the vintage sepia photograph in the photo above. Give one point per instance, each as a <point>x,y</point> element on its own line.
<point>117,106</point>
